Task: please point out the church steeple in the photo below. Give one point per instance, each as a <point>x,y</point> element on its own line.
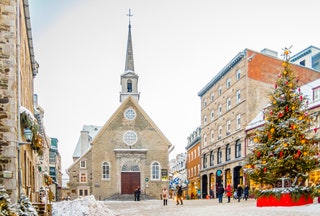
<point>129,79</point>
<point>129,56</point>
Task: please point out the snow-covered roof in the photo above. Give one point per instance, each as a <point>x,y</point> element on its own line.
<point>92,130</point>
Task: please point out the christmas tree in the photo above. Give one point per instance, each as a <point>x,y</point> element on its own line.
<point>6,208</point>
<point>25,207</point>
<point>286,145</point>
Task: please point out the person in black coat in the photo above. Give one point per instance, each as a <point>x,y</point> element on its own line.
<point>137,193</point>
<point>246,192</point>
<point>239,192</point>
<point>179,195</point>
<point>220,192</point>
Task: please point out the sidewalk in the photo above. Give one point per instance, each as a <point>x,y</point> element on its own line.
<point>207,208</point>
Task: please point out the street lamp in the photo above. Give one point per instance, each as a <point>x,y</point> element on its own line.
<point>28,136</point>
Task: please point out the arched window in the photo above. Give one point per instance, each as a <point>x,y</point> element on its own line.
<point>105,170</point>
<point>155,171</point>
<point>129,86</point>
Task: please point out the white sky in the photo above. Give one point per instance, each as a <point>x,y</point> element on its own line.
<point>178,47</point>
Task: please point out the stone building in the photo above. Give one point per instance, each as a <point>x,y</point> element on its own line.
<point>129,151</point>
<point>18,108</point>
<point>228,103</point>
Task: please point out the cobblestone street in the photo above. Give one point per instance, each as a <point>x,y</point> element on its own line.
<point>207,207</point>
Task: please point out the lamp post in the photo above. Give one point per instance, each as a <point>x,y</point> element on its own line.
<point>28,136</point>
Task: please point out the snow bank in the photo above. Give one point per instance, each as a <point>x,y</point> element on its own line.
<point>80,207</point>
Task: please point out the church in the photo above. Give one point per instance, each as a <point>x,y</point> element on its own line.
<point>127,152</point>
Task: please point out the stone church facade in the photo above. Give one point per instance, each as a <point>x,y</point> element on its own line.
<point>129,151</point>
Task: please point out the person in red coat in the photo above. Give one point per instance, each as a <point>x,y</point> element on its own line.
<point>228,192</point>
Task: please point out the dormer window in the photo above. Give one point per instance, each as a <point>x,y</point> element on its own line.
<point>129,86</point>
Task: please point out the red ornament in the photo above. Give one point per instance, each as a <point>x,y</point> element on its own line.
<point>265,169</point>
<point>259,154</point>
<point>287,108</point>
<point>293,126</point>
<point>280,114</point>
<point>270,112</point>
<point>275,86</point>
<point>315,130</point>
<point>281,154</point>
<point>299,90</point>
<point>299,152</point>
<point>300,97</point>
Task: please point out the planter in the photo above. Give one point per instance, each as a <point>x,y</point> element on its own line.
<point>284,200</point>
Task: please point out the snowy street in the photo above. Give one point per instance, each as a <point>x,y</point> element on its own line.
<point>88,206</point>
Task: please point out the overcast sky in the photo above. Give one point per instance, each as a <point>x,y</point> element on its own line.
<point>178,47</point>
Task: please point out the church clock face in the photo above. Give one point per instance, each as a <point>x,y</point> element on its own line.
<point>130,137</point>
<point>129,114</point>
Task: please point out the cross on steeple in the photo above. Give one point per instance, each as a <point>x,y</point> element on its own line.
<point>129,15</point>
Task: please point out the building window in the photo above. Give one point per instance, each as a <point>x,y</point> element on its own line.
<point>82,164</point>
<point>219,156</point>
<point>191,172</point>
<point>129,86</point>
<point>105,170</point>
<point>228,104</point>
<point>219,110</point>
<point>198,151</point>
<point>238,97</point>
<point>228,152</point>
<point>212,97</point>
<point>238,74</point>
<point>228,83</point>
<point>204,161</point>
<point>211,158</point>
<point>238,149</point>
<point>155,171</point>
<point>212,135</point>
<point>316,94</point>
<point>238,121</point>
<point>204,103</point>
<point>228,127</point>
<point>205,120</point>
<point>212,116</point>
<point>219,132</point>
<point>83,192</point>
<point>83,178</point>
<point>219,90</point>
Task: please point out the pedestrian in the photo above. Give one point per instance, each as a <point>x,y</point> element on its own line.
<point>220,192</point>
<point>228,192</point>
<point>239,192</point>
<point>246,192</point>
<point>137,193</point>
<point>179,195</point>
<point>165,196</point>
<point>211,194</point>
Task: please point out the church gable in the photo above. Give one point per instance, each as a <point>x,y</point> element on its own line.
<point>131,127</point>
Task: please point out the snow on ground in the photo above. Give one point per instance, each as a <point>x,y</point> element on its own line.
<point>81,207</point>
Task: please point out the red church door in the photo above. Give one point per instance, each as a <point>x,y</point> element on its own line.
<point>129,182</point>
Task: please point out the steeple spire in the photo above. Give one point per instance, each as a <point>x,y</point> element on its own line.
<point>129,79</point>
<point>129,55</point>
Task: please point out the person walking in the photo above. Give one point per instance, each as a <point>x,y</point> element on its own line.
<point>246,192</point>
<point>228,192</point>
<point>179,195</point>
<point>239,192</point>
<point>220,192</point>
<point>165,196</point>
